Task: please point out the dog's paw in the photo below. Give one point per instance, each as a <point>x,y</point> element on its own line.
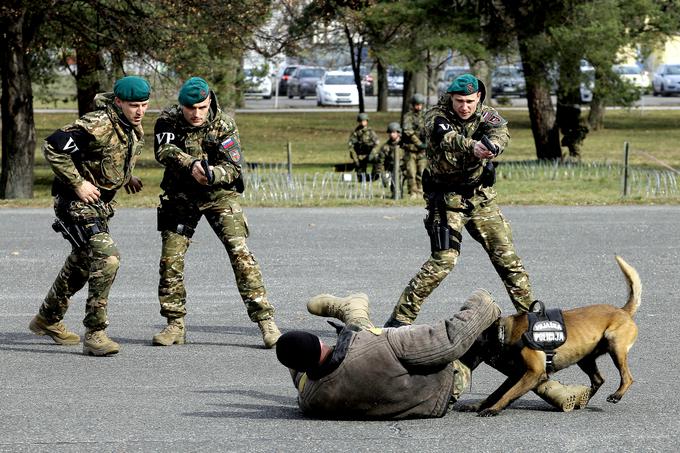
<point>613,398</point>
<point>468,407</point>
<point>488,413</point>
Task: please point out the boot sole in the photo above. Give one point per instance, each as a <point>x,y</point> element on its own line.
<point>42,332</point>
<point>176,341</point>
<point>99,353</point>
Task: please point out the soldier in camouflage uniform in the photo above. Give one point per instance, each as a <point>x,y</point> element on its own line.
<point>361,143</point>
<point>414,143</point>
<point>389,152</point>
<point>91,159</point>
<point>459,190</point>
<point>200,148</point>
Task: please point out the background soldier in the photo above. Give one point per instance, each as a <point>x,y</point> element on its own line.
<point>200,148</point>
<point>390,373</point>
<point>91,159</point>
<point>414,143</point>
<point>389,152</point>
<point>459,192</point>
<point>574,129</point>
<point>361,143</point>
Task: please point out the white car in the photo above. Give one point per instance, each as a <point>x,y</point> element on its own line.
<point>633,74</point>
<point>666,80</point>
<point>337,88</point>
<point>257,85</point>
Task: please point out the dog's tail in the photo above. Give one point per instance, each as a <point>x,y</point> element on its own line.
<point>634,286</point>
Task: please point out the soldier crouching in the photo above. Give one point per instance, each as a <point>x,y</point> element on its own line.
<point>91,159</point>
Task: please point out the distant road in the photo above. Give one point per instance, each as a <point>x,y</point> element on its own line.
<point>254,105</point>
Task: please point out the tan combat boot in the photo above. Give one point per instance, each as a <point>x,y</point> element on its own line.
<point>99,344</point>
<point>352,309</point>
<point>173,333</point>
<point>564,397</point>
<point>270,333</point>
<point>57,331</point>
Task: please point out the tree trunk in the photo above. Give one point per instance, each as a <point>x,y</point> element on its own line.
<point>596,114</point>
<point>407,93</point>
<point>541,110</point>
<point>355,58</point>
<point>88,76</point>
<point>18,126</point>
<point>382,88</point>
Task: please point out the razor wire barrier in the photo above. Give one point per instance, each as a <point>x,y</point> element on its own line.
<point>272,182</point>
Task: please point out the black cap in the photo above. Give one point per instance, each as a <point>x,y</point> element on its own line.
<point>298,350</point>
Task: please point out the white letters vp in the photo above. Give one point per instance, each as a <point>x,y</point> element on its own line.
<point>164,138</point>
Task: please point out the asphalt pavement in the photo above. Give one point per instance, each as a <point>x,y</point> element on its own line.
<point>223,392</point>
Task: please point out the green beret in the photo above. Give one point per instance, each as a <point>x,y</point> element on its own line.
<point>362,117</point>
<point>193,91</point>
<point>464,84</point>
<point>132,88</point>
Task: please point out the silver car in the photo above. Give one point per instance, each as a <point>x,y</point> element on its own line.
<point>666,80</point>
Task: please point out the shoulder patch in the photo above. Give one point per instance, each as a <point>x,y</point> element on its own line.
<point>232,150</point>
<point>493,118</point>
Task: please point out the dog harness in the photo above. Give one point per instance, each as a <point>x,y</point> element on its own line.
<point>546,331</point>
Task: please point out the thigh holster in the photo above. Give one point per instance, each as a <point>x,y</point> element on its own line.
<point>168,220</point>
<point>442,236</point>
<point>79,234</point>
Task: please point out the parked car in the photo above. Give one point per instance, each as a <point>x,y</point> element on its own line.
<point>366,78</point>
<point>282,76</point>
<point>508,80</point>
<point>257,85</point>
<point>666,80</point>
<point>395,81</point>
<point>633,74</point>
<point>450,73</point>
<point>587,82</point>
<point>337,88</point>
<point>303,81</point>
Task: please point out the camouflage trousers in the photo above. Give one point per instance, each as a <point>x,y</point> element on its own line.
<point>95,264</point>
<point>227,220</point>
<point>415,164</point>
<point>487,225</point>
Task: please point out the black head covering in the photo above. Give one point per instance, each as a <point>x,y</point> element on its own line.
<point>298,350</point>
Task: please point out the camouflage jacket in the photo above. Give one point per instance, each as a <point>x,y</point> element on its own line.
<point>99,147</point>
<point>414,131</point>
<point>385,159</point>
<point>177,145</point>
<point>361,142</point>
<point>451,141</point>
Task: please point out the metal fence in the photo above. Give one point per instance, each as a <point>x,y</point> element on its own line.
<point>272,183</point>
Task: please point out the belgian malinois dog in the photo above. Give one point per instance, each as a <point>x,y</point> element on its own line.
<point>590,332</point>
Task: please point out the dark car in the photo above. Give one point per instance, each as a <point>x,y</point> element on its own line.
<point>508,81</point>
<point>283,76</point>
<point>303,81</point>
